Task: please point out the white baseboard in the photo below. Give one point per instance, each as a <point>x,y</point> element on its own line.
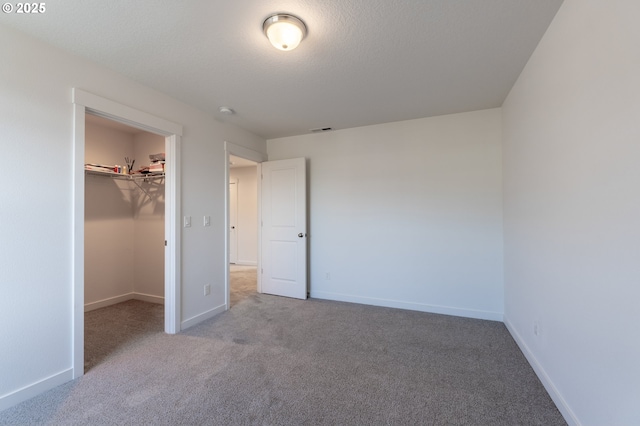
<point>247,263</point>
<point>553,392</point>
<point>149,298</point>
<point>35,389</point>
<point>123,298</point>
<point>434,309</point>
<point>107,302</point>
<point>203,316</point>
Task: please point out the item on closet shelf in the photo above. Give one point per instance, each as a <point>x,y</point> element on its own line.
<point>157,163</point>
<point>100,168</point>
<point>130,162</point>
<point>156,167</point>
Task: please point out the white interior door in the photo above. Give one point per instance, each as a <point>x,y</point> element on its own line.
<point>284,228</point>
<point>233,221</point>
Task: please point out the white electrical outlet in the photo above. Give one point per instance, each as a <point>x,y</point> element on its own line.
<point>207,290</point>
<point>327,276</point>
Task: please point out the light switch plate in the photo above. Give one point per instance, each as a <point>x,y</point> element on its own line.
<point>207,221</point>
<point>187,221</point>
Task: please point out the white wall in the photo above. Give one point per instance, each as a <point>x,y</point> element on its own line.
<point>247,226</point>
<point>36,222</point>
<point>109,224</point>
<point>572,211</point>
<point>124,227</point>
<point>149,221</point>
<point>407,214</point>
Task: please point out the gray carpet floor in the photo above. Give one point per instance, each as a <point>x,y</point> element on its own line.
<point>278,361</point>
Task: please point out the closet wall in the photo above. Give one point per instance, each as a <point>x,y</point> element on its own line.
<point>148,213</point>
<point>124,227</point>
<point>247,226</point>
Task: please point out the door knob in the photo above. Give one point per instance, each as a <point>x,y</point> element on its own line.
<point>233,227</point>
<point>300,235</point>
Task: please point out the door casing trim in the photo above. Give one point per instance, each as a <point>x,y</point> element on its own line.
<point>83,103</point>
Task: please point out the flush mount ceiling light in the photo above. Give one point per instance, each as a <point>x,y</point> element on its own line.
<point>226,110</point>
<point>284,31</point>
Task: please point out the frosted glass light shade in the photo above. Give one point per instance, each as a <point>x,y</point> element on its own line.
<point>285,32</point>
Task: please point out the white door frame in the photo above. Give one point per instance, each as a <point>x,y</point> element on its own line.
<point>247,154</point>
<point>233,182</point>
<point>84,102</point>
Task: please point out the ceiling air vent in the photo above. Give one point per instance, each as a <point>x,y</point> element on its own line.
<point>321,129</point>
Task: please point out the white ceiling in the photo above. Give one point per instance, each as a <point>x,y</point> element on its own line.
<point>363,62</point>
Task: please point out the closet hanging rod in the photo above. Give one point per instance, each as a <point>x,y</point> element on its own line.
<point>131,178</point>
<point>126,177</point>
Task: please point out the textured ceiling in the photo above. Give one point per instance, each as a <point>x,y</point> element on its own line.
<point>363,62</point>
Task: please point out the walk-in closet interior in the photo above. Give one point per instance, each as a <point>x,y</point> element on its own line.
<point>124,214</point>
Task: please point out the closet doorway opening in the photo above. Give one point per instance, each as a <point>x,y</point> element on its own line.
<point>124,236</point>
<point>242,234</point>
<point>86,106</point>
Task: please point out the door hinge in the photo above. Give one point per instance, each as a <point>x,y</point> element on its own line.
<point>165,243</point>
